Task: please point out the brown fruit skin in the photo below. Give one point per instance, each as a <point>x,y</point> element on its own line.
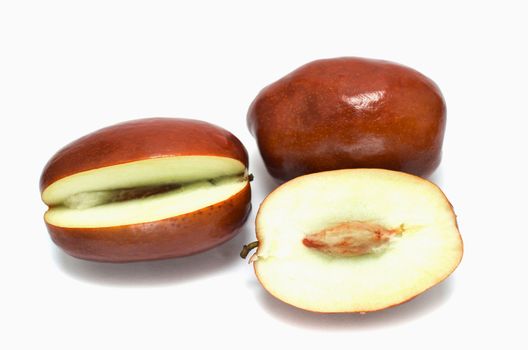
<point>173,237</point>
<point>144,139</point>
<point>349,113</point>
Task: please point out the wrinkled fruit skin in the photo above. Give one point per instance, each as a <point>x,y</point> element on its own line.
<point>349,113</point>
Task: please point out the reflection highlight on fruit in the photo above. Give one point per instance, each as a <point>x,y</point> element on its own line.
<point>349,112</point>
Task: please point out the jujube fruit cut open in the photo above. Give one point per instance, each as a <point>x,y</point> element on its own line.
<point>355,240</point>
<point>147,189</point>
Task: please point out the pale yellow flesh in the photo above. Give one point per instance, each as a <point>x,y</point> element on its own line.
<point>91,191</point>
<point>156,171</point>
<point>429,249</point>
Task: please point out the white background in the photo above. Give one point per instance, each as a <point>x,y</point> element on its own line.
<point>68,68</point>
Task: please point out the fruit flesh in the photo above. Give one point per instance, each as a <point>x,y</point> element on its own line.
<point>425,253</point>
<point>142,191</point>
<point>149,172</point>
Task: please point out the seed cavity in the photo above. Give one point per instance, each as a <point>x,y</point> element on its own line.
<point>351,238</point>
<point>89,199</point>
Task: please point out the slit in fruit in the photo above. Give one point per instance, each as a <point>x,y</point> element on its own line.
<point>352,238</point>
<point>84,200</point>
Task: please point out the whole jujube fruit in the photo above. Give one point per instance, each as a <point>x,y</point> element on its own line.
<point>349,113</point>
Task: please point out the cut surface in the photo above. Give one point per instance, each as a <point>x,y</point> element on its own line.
<point>149,172</point>
<point>406,223</point>
<point>142,191</point>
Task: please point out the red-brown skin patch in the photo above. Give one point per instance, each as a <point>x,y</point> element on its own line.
<point>349,113</point>
<point>140,140</point>
<point>173,237</point>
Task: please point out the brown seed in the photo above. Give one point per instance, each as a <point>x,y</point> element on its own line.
<point>351,238</point>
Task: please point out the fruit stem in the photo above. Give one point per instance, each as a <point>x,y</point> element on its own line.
<point>250,177</point>
<point>247,248</point>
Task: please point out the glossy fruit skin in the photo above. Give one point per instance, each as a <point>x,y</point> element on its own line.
<point>142,139</point>
<point>139,140</point>
<point>349,113</point>
<point>173,237</point>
